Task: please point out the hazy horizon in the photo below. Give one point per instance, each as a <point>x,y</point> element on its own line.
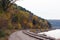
<point>47,9</point>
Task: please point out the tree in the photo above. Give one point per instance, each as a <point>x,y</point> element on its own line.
<point>34,22</point>
<point>6,4</point>
<point>49,24</point>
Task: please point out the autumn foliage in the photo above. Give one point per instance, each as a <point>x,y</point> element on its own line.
<point>17,17</point>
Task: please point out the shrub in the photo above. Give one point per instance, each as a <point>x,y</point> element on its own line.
<point>10,26</point>
<point>2,33</point>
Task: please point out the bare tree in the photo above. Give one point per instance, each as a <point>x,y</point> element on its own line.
<point>6,4</point>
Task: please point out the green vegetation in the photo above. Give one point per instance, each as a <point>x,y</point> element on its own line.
<point>13,17</point>
<point>2,33</point>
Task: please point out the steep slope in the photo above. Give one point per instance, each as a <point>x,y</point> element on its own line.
<point>17,17</point>
<point>20,18</point>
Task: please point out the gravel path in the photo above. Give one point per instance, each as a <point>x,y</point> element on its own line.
<point>19,35</point>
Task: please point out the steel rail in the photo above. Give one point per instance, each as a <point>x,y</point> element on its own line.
<point>40,37</point>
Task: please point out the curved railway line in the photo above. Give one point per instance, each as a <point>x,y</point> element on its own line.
<point>40,37</point>
<point>26,35</point>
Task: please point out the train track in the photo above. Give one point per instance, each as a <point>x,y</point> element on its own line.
<point>40,37</point>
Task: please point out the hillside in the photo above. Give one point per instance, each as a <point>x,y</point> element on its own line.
<point>17,18</point>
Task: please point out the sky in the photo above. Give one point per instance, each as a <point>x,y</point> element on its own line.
<point>47,9</point>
